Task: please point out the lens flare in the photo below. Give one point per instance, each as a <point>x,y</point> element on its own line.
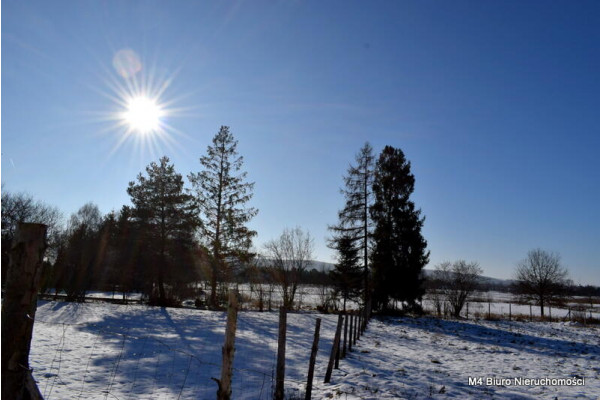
<point>127,63</point>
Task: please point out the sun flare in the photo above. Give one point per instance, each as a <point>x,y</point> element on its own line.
<point>143,107</point>
<point>143,114</point>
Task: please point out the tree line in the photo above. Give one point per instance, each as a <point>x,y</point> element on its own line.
<point>166,239</point>
<point>171,237</point>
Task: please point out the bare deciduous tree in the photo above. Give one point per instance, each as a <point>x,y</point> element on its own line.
<point>456,282</point>
<point>541,276</point>
<point>23,207</point>
<point>288,257</point>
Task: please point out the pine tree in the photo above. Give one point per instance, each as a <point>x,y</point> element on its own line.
<point>221,194</point>
<point>165,219</point>
<point>347,275</point>
<point>353,219</point>
<point>399,252</point>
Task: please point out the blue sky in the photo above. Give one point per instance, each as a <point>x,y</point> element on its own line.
<point>496,105</point>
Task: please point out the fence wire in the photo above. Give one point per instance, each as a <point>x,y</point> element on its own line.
<point>124,355</point>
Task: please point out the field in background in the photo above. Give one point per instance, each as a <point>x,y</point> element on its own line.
<point>499,305</point>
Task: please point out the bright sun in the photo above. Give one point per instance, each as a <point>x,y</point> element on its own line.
<point>143,115</point>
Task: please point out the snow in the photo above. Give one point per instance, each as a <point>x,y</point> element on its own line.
<point>422,358</point>
<point>110,351</point>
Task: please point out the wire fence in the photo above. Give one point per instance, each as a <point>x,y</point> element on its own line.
<point>108,351</point>
<point>507,309</point>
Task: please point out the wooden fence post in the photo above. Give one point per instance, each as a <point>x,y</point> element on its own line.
<point>344,347</point>
<point>364,321</point>
<point>23,281</point>
<point>509,311</point>
<point>351,332</point>
<point>550,312</point>
<point>467,310</point>
<point>334,348</point>
<point>339,345</point>
<point>224,390</point>
<point>361,323</point>
<point>313,358</point>
<point>355,328</point>
<point>489,310</point>
<point>530,314</point>
<point>280,378</point>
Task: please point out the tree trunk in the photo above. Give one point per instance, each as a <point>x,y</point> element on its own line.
<point>162,298</point>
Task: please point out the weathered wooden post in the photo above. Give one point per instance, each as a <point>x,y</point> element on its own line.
<point>224,390</point>
<point>530,314</point>
<point>355,328</point>
<point>360,322</point>
<point>338,351</point>
<point>23,281</point>
<point>489,310</point>
<point>334,348</point>
<point>467,310</point>
<point>344,347</point>
<point>550,313</point>
<point>313,358</point>
<point>280,373</point>
<point>351,332</point>
<point>509,311</point>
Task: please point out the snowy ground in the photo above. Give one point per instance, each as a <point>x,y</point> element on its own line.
<point>109,351</point>
<point>427,358</point>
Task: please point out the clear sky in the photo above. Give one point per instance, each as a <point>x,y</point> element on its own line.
<point>495,103</point>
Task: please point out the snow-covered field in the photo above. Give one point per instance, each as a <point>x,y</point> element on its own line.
<point>423,358</point>
<point>108,351</point>
<point>505,305</point>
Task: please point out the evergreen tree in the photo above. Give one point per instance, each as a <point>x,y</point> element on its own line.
<point>347,276</point>
<point>221,194</point>
<point>353,220</point>
<point>399,252</point>
<point>165,220</point>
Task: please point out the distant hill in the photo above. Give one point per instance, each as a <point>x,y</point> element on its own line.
<point>485,280</point>
<point>321,266</point>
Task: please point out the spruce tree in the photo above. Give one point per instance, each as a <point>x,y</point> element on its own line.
<point>399,252</point>
<point>166,221</point>
<point>221,194</point>
<point>347,276</point>
<point>354,220</point>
